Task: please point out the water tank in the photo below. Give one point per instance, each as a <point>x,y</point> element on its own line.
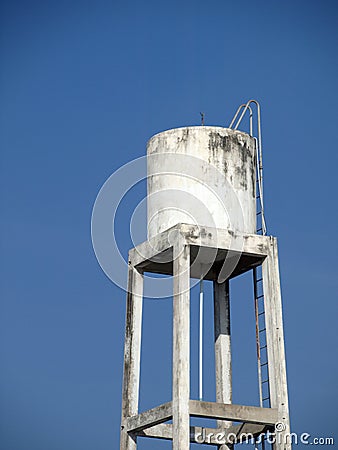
<point>201,175</point>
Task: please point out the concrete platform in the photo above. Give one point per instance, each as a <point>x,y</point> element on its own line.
<point>211,250</point>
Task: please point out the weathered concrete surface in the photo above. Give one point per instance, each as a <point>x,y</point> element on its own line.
<point>201,236</point>
<point>132,353</point>
<point>246,249</point>
<point>222,345</point>
<point>181,346</point>
<point>238,413</point>
<point>275,341</point>
<point>201,175</point>
<point>181,239</point>
<point>150,418</point>
<point>208,436</point>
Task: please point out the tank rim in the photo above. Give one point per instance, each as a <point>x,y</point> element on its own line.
<point>213,127</point>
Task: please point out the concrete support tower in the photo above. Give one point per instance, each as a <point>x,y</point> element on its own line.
<point>202,211</point>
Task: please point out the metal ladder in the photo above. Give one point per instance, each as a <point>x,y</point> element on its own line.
<point>261,344</point>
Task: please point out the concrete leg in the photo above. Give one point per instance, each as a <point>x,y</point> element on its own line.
<point>275,343</point>
<point>132,351</point>
<point>222,349</point>
<point>181,347</point>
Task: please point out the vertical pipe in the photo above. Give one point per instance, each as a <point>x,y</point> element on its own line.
<point>200,390</point>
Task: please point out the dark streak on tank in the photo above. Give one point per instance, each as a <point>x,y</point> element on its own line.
<point>216,141</point>
<point>184,137</point>
<point>241,174</point>
<point>231,144</point>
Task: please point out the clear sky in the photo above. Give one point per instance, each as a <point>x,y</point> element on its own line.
<point>84,85</point>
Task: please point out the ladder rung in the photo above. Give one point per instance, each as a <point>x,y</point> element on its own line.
<point>263,329</point>
<point>261,313</point>
<point>260,296</point>
<point>264,346</point>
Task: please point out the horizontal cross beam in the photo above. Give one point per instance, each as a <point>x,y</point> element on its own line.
<point>208,436</point>
<point>220,411</point>
<point>150,418</point>
<point>238,413</point>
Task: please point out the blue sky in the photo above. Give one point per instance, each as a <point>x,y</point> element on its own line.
<point>83,86</point>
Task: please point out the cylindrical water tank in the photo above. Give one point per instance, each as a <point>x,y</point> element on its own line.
<point>201,175</point>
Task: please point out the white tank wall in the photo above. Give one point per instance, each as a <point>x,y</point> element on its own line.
<point>201,175</point>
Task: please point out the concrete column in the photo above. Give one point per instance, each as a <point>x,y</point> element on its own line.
<point>132,352</point>
<point>222,348</point>
<point>275,343</point>
<point>181,346</point>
